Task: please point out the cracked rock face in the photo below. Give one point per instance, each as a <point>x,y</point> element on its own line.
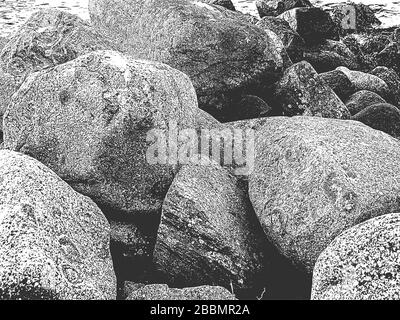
<point>49,37</point>
<point>362,263</point>
<point>54,242</point>
<point>315,178</point>
<point>220,52</point>
<point>208,231</point>
<point>89,120</point>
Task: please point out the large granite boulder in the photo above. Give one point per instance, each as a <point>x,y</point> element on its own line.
<point>392,79</point>
<point>360,100</point>
<point>294,44</point>
<point>314,178</point>
<point>330,55</point>
<point>54,242</point>
<point>382,116</point>
<point>48,38</point>
<point>221,52</point>
<point>208,231</point>
<point>354,17</point>
<point>302,91</point>
<point>314,25</point>
<point>95,121</point>
<point>362,263</point>
<point>339,83</point>
<point>367,81</point>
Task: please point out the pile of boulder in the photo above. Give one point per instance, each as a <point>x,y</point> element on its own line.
<point>181,150</point>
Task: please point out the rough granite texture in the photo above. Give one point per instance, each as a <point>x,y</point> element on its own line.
<point>220,51</point>
<point>362,263</point>
<point>339,83</point>
<point>314,25</point>
<point>366,81</point>
<point>163,292</point>
<point>382,116</point>
<point>361,100</point>
<point>54,242</point>
<point>302,91</point>
<point>89,120</point>
<point>208,232</point>
<point>315,178</point>
<point>392,79</point>
<point>49,37</point>
<point>294,44</point>
<point>329,55</point>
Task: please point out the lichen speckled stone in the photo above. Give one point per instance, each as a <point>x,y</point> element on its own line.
<point>54,242</point>
<point>362,263</point>
<point>218,49</point>
<point>49,37</point>
<point>90,120</point>
<point>361,100</point>
<point>301,91</point>
<point>163,292</point>
<point>366,81</point>
<point>208,232</point>
<point>314,178</point>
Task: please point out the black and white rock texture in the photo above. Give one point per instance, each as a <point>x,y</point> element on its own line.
<point>54,242</point>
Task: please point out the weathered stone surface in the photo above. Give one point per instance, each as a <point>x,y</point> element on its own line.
<point>362,263</point>
<point>220,51</point>
<point>3,42</point>
<point>49,37</point>
<point>315,178</point>
<point>383,116</point>
<point>91,121</point>
<point>366,81</point>
<point>223,3</point>
<point>313,24</point>
<point>302,91</point>
<point>329,55</point>
<point>361,100</point>
<point>276,7</point>
<point>208,231</point>
<point>250,107</point>
<point>339,83</point>
<point>54,242</point>
<point>354,17</point>
<point>163,292</point>
<point>392,79</point>
<point>294,44</point>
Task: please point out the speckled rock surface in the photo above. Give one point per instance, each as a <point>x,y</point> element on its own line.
<point>339,83</point>
<point>219,50</point>
<point>54,242</point>
<point>382,116</point>
<point>302,91</point>
<point>366,81</point>
<point>315,178</point>
<point>361,100</point>
<point>249,107</point>
<point>329,55</point>
<point>362,263</point>
<point>208,231</point>
<point>314,25</point>
<point>392,79</point>
<point>294,44</point>
<point>89,120</point>
<point>163,292</point>
<point>48,38</point>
